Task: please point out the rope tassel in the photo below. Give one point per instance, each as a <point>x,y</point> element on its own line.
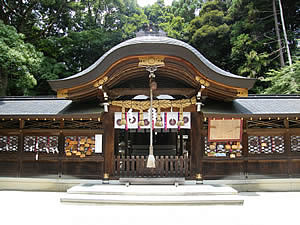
<point>141,122</point>
<point>158,122</point>
<point>123,120</point>
<point>180,121</point>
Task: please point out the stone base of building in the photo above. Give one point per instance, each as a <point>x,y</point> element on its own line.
<point>62,185</point>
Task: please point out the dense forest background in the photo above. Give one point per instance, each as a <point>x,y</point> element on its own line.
<point>50,39</point>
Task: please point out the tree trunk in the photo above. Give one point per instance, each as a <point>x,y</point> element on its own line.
<point>3,83</point>
<point>278,34</point>
<point>284,34</point>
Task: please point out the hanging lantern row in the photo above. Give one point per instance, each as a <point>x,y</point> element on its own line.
<point>141,106</point>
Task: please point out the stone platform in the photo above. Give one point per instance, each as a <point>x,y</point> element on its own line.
<point>152,194</point>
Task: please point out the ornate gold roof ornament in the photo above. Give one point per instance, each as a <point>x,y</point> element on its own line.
<point>202,81</point>
<point>100,82</point>
<point>146,61</point>
<point>123,120</point>
<point>242,92</point>
<point>62,93</point>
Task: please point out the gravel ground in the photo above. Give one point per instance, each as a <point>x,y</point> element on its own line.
<point>43,208</point>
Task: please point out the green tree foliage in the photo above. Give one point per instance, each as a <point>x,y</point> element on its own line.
<point>253,38</point>
<point>285,80</point>
<point>37,19</point>
<point>236,35</point>
<point>245,59</point>
<point>186,9</point>
<point>18,62</point>
<point>132,19</point>
<point>209,32</point>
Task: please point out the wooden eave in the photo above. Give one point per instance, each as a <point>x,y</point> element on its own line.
<point>127,68</point>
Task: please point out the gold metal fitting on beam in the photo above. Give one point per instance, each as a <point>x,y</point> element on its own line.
<point>63,93</point>
<point>101,81</point>
<point>151,61</point>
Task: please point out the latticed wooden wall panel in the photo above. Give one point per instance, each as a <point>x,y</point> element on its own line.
<point>47,144</point>
<point>82,124</point>
<point>266,123</point>
<point>9,143</point>
<point>41,124</point>
<point>265,144</point>
<point>9,124</point>
<point>294,123</point>
<point>295,143</point>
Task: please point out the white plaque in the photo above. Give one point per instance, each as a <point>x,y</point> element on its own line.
<point>98,143</point>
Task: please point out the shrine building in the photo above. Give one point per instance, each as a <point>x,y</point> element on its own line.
<point>199,119</point>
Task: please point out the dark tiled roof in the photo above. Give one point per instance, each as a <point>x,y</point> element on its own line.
<point>153,45</point>
<point>45,106</point>
<point>33,107</point>
<point>256,105</point>
<point>253,105</point>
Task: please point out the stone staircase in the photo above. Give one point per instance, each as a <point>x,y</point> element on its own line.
<point>186,194</point>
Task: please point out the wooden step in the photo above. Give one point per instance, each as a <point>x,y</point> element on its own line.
<point>152,190</point>
<point>153,200</point>
<point>152,181</point>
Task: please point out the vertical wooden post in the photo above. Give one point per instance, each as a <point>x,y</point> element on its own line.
<point>61,149</point>
<point>61,153</point>
<point>181,143</point>
<point>245,148</point>
<point>20,148</point>
<point>287,148</point>
<point>20,153</point>
<point>196,149</point>
<point>108,143</point>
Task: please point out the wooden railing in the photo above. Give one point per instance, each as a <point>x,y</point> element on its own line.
<point>166,166</point>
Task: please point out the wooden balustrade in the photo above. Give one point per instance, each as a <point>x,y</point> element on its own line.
<point>166,166</point>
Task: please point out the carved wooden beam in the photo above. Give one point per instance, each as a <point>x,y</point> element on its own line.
<point>116,92</point>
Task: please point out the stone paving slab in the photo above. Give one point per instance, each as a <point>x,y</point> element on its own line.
<point>152,190</point>
<point>154,200</point>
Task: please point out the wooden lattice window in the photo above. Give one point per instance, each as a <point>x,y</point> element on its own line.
<point>295,143</point>
<point>79,145</point>
<point>41,124</point>
<point>9,124</point>
<point>9,143</point>
<point>294,123</point>
<point>265,144</point>
<point>82,124</point>
<point>47,144</point>
<point>266,123</point>
<point>230,149</point>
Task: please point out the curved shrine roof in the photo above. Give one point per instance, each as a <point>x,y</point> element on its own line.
<point>153,45</point>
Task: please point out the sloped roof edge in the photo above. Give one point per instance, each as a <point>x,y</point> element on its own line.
<point>153,45</point>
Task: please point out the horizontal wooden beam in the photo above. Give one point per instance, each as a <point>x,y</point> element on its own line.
<point>116,92</point>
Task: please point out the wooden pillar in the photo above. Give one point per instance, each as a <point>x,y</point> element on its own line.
<point>108,144</point>
<point>287,147</point>
<point>196,145</point>
<point>181,143</point>
<point>245,148</point>
<point>20,153</point>
<point>20,148</point>
<point>61,153</point>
